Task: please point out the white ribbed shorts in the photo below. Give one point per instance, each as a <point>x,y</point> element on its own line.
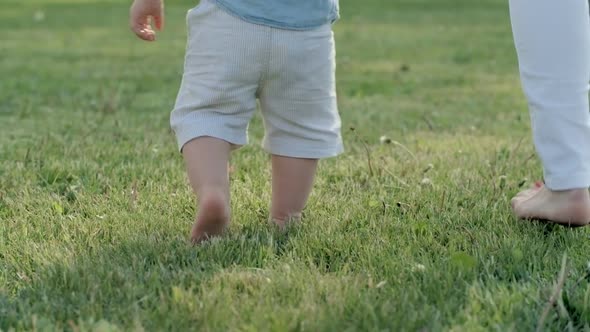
<point>230,63</point>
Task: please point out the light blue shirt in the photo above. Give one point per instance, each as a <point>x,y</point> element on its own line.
<point>283,14</point>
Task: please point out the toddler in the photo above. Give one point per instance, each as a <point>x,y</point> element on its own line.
<point>279,52</point>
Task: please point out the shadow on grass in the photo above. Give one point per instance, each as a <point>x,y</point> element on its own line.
<point>116,282</point>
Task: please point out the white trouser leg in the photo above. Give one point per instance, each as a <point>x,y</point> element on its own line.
<point>553,45</point>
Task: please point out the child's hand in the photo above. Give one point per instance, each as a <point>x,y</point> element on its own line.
<point>141,15</point>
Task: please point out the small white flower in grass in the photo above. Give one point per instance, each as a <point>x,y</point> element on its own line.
<point>39,16</point>
<point>418,268</point>
<point>428,168</point>
<point>426,182</point>
<point>502,179</point>
<point>385,140</point>
<point>23,276</point>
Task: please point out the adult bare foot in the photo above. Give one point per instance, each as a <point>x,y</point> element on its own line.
<point>212,218</point>
<point>567,208</point>
<point>529,192</point>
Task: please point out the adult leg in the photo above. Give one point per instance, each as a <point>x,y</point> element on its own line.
<point>553,44</point>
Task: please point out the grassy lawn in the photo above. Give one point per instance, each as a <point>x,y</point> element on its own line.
<point>95,208</point>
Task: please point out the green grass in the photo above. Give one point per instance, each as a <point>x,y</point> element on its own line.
<point>95,208</point>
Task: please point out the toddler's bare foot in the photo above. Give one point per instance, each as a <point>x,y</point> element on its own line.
<point>567,208</point>
<point>212,217</point>
<point>284,223</point>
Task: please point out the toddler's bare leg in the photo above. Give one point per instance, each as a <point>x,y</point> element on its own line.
<point>206,161</point>
<point>292,181</point>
